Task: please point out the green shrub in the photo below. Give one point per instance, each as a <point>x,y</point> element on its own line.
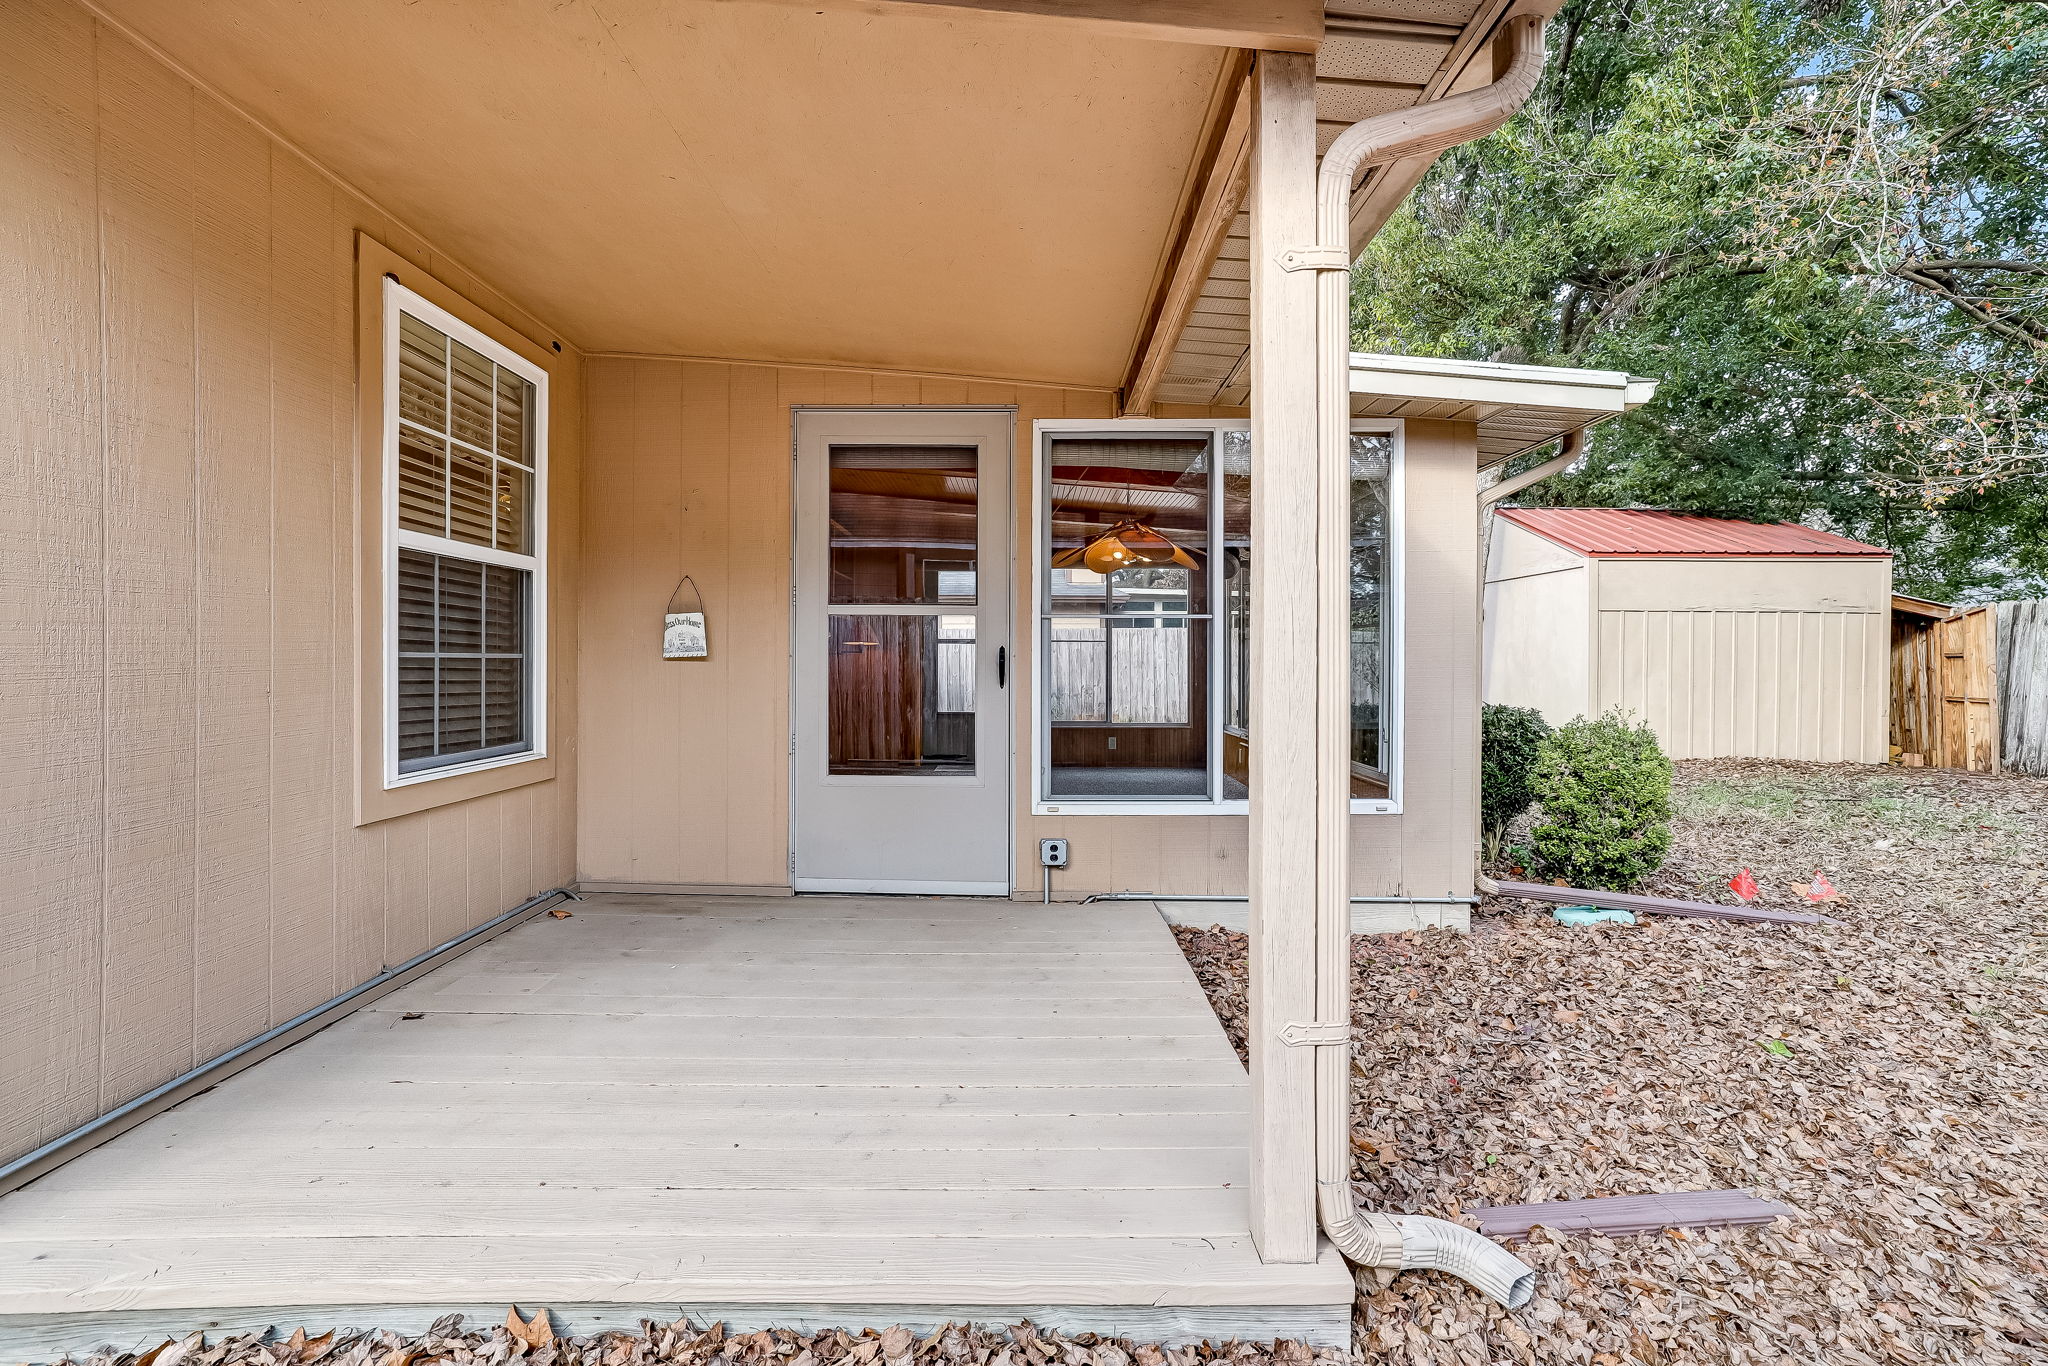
<point>1605,789</point>
<point>1509,738</point>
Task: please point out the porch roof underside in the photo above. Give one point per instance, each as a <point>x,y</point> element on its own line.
<point>920,188</point>
<point>830,1111</point>
<point>1377,56</point>
<point>1515,407</point>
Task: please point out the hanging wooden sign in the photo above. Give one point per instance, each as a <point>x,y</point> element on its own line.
<point>682,633</point>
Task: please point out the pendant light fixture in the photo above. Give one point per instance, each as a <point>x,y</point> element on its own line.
<point>1127,545</point>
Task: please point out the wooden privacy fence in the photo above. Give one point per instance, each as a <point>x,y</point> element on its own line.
<point>2022,698</point>
<point>1970,689</point>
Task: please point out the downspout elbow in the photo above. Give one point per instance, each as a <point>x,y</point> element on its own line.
<point>1426,129</point>
<point>1415,1242</point>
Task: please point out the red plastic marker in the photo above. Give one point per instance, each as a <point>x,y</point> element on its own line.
<point>1820,889</point>
<point>1743,884</point>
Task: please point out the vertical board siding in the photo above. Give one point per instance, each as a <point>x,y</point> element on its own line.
<point>234,479</point>
<point>146,732</point>
<point>177,425</point>
<point>52,487</point>
<point>1757,684</point>
<point>687,762</point>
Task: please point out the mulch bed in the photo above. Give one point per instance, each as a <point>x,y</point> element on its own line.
<point>520,1341</point>
<point>1888,1079</point>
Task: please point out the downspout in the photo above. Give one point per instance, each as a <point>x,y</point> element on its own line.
<point>1404,1242</point>
<point>1570,447</point>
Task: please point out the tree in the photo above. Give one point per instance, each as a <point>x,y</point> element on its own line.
<point>1823,227</point>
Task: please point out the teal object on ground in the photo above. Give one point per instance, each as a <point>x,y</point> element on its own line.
<point>1591,915</point>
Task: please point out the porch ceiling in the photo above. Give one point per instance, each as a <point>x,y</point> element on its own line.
<point>940,192</point>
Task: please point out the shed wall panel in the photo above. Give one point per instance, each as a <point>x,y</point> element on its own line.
<point>1538,625</point>
<point>1756,684</point>
<point>1739,585</point>
<point>176,741</point>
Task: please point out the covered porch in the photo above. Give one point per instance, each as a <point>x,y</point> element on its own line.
<point>386,405</point>
<point>834,1111</point>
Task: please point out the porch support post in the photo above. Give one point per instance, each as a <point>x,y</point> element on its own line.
<point>1283,657</point>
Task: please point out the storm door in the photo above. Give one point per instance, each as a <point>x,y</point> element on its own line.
<point>901,737</point>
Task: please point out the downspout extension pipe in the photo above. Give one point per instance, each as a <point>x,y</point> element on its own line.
<point>1403,1242</point>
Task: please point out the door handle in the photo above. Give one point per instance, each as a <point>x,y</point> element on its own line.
<point>1002,666</point>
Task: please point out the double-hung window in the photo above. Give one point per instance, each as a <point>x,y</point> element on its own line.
<point>1144,573</point>
<point>465,520</point>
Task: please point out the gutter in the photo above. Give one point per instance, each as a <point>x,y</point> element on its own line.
<point>1402,1242</point>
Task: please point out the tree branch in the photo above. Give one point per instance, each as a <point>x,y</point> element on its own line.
<point>2023,330</point>
<point>1967,263</point>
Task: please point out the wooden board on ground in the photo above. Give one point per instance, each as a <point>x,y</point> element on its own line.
<point>1617,1215</point>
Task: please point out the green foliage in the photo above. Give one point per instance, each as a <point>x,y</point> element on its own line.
<point>1748,200</point>
<point>1509,738</point>
<point>1605,790</point>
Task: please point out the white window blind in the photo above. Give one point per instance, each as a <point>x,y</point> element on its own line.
<point>465,526</point>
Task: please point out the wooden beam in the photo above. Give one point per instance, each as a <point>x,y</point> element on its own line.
<point>1226,171</point>
<point>1283,663</point>
<point>1275,25</point>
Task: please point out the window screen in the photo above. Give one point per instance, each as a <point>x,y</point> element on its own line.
<point>465,465</point>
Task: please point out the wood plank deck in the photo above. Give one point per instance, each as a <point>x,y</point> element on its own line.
<point>805,1112</point>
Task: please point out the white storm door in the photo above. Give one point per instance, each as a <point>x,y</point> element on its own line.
<point>901,765</point>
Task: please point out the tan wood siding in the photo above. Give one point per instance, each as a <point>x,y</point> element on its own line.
<point>177,709</point>
<point>685,764</point>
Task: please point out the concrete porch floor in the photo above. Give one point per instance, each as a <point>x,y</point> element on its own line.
<point>821,1111</point>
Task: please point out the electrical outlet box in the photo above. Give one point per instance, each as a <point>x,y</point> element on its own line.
<point>1052,853</point>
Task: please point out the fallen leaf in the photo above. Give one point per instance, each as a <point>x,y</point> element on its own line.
<point>559,914</point>
<point>534,1332</point>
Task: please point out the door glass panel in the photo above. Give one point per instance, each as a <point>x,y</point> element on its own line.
<point>899,695</point>
<point>903,524</point>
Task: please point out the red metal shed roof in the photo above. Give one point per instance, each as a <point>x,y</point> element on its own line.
<point>1646,533</point>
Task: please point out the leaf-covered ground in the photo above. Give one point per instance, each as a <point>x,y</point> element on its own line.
<point>1888,1079</point>
<point>520,1341</point>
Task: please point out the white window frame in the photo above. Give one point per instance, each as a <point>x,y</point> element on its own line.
<point>1392,623</point>
<point>397,299</point>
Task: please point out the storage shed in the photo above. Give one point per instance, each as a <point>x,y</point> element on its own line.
<point>1731,639</point>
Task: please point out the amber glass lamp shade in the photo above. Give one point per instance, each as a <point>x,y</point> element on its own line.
<point>1127,545</point>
